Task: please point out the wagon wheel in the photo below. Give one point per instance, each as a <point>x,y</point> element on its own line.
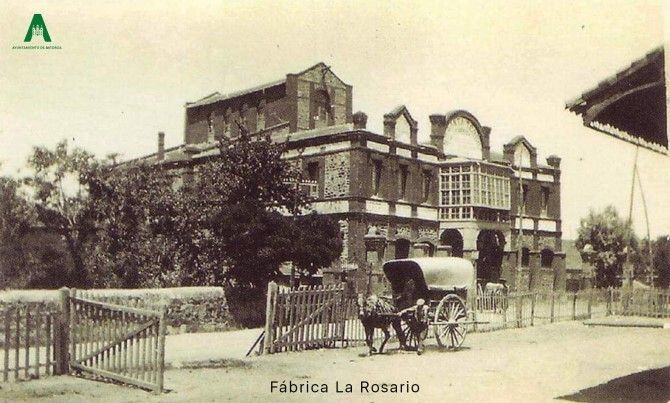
<point>452,311</point>
<point>413,335</point>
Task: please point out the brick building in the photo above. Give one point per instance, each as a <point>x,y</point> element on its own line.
<point>393,196</point>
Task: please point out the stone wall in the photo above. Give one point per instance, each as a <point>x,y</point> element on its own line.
<point>336,177</point>
<point>189,309</point>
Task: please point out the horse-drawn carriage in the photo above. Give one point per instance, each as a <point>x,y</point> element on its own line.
<point>426,293</point>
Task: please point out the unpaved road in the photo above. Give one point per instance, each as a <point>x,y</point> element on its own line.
<point>521,365</point>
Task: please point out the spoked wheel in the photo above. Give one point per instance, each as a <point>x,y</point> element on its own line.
<point>413,335</point>
<point>449,329</point>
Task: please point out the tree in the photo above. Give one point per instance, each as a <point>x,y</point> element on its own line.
<point>16,218</point>
<point>662,261</point>
<point>29,256</point>
<point>57,186</point>
<point>137,216</point>
<point>611,239</point>
<point>318,243</point>
<point>239,196</point>
<point>225,224</point>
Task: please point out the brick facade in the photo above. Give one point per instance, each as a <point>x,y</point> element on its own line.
<point>394,189</point>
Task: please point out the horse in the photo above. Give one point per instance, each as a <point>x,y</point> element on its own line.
<point>376,313</point>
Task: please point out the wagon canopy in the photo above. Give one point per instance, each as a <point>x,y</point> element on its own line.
<point>434,273</point>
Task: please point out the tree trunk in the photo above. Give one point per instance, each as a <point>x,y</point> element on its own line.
<point>77,276</point>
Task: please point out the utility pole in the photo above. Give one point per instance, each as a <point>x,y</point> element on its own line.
<point>295,208</point>
<point>628,269</point>
<point>520,237</point>
<point>651,276</point>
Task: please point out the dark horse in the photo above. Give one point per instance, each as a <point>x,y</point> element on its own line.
<point>376,313</point>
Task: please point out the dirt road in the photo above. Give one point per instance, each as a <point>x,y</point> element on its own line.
<point>532,364</point>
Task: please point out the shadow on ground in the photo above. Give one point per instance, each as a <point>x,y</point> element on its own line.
<point>647,386</point>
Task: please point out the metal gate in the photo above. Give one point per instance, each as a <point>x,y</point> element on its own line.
<point>123,343</point>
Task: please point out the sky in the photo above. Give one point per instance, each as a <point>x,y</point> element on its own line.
<point>126,68</point>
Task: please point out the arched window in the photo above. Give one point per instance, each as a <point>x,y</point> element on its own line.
<point>322,110</point>
<point>546,257</point>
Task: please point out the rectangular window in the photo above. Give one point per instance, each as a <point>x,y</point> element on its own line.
<point>313,171</point>
<point>524,192</point>
<point>466,196</point>
<point>545,200</point>
<point>376,176</point>
<point>427,179</point>
<point>402,181</point>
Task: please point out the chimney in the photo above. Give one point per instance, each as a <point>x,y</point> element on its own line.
<point>486,143</point>
<point>161,146</point>
<point>360,120</point>
<point>508,152</point>
<point>438,126</point>
<point>554,161</point>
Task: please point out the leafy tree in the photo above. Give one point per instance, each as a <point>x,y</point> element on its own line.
<point>16,219</point>
<point>318,243</point>
<point>611,239</point>
<point>29,256</point>
<point>223,224</point>
<point>136,214</point>
<point>58,189</point>
<point>238,196</point>
<point>662,261</point>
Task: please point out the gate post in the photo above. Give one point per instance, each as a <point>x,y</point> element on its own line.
<point>269,318</point>
<point>532,309</point>
<point>610,300</point>
<point>519,303</point>
<point>162,327</point>
<point>62,333</point>
<point>590,302</point>
<point>553,299</point>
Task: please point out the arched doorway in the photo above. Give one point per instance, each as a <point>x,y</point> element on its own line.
<point>490,245</point>
<point>402,247</point>
<point>453,238</point>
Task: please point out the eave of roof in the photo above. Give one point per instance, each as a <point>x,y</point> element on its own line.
<point>217,97</point>
<point>580,104</point>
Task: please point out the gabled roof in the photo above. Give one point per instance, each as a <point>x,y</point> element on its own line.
<point>401,110</point>
<point>521,139</point>
<point>217,96</point>
<point>322,65</point>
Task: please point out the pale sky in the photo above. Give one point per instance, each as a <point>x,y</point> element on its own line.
<point>126,68</point>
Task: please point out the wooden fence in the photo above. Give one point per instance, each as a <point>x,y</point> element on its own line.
<point>653,303</point>
<point>30,334</point>
<point>327,317</point>
<point>309,317</point>
<point>124,343</point>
